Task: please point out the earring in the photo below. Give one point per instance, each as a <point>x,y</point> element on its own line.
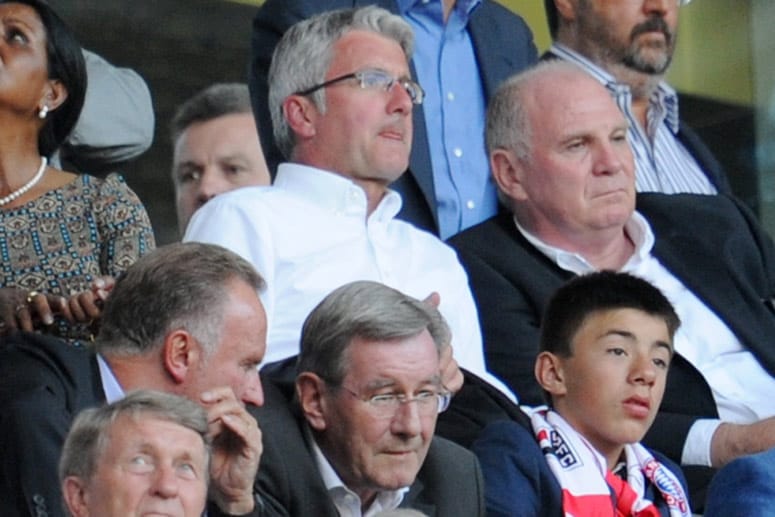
<point>43,112</point>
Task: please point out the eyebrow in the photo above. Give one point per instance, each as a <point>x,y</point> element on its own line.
<point>14,19</point>
<point>387,383</point>
<point>629,336</point>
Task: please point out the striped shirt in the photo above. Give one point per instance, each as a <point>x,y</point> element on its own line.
<point>662,163</point>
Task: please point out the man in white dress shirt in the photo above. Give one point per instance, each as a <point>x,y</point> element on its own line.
<point>341,100</point>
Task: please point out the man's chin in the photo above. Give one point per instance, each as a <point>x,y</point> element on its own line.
<point>649,62</point>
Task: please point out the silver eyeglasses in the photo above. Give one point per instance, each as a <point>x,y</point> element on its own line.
<point>385,405</point>
<point>374,79</point>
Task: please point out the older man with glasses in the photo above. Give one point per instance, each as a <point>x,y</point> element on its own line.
<point>341,97</point>
<point>358,437</point>
<point>627,45</point>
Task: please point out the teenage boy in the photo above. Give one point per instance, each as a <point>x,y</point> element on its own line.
<point>606,344</point>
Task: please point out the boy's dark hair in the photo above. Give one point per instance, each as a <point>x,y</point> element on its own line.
<point>574,302</point>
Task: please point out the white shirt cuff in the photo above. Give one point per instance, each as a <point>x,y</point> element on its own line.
<point>697,446</point>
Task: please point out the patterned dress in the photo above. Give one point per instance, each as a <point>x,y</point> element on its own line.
<point>59,242</point>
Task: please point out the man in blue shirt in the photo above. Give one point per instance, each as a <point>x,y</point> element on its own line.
<point>464,50</point>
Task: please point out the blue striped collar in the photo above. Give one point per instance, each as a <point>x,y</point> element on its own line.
<point>664,99</point>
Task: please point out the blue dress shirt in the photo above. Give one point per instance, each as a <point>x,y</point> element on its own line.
<point>454,109</point>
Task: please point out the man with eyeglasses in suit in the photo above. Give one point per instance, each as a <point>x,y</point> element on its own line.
<point>341,96</point>
<point>357,439</point>
<point>627,45</point>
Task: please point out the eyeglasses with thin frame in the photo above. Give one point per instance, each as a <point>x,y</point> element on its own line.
<point>385,405</point>
<point>374,79</point>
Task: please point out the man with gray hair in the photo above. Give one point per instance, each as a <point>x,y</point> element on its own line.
<point>341,101</point>
<point>215,147</point>
<point>569,182</point>
<point>184,319</point>
<point>147,453</point>
<point>355,435</point>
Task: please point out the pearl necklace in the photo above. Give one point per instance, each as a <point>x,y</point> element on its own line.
<point>27,186</point>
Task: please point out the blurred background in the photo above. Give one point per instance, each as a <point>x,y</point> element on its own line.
<point>724,70</point>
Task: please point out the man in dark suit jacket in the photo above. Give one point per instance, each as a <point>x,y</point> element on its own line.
<point>571,190</point>
<point>628,47</point>
<point>503,45</point>
<point>360,433</point>
<point>184,319</point>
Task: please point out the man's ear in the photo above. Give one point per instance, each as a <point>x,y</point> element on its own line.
<point>566,9</point>
<point>182,353</point>
<point>508,172</point>
<point>54,94</point>
<point>74,494</point>
<point>311,391</point>
<point>301,115</point>
<point>550,374</point>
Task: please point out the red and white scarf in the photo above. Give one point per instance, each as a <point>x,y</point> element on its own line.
<point>589,488</point>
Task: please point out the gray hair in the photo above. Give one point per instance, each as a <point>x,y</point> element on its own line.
<point>89,435</point>
<point>215,101</point>
<point>178,286</point>
<point>367,310</point>
<point>302,57</point>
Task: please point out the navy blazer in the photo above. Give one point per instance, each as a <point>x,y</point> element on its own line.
<point>44,384</point>
<point>503,44</point>
<point>713,244</point>
<point>518,480</point>
<point>289,484</point>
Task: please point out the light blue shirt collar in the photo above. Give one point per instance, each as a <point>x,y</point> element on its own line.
<point>110,385</point>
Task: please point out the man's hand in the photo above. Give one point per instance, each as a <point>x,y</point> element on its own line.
<point>730,441</point>
<point>451,376</point>
<point>236,451</point>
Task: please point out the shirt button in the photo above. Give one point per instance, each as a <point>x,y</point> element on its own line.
<point>450,96</point>
<point>458,152</point>
<point>470,204</point>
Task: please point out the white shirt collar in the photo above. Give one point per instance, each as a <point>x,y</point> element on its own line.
<point>341,495</point>
<point>636,228</point>
<point>334,192</point>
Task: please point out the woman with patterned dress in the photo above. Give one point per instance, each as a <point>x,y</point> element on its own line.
<point>63,236</point>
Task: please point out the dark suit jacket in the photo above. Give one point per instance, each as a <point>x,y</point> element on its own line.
<point>696,147</point>
<point>44,384</point>
<point>449,482</point>
<point>518,480</point>
<point>503,44</point>
<point>713,244</point>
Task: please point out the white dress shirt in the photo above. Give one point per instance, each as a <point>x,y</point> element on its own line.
<point>742,388</point>
<point>309,233</point>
